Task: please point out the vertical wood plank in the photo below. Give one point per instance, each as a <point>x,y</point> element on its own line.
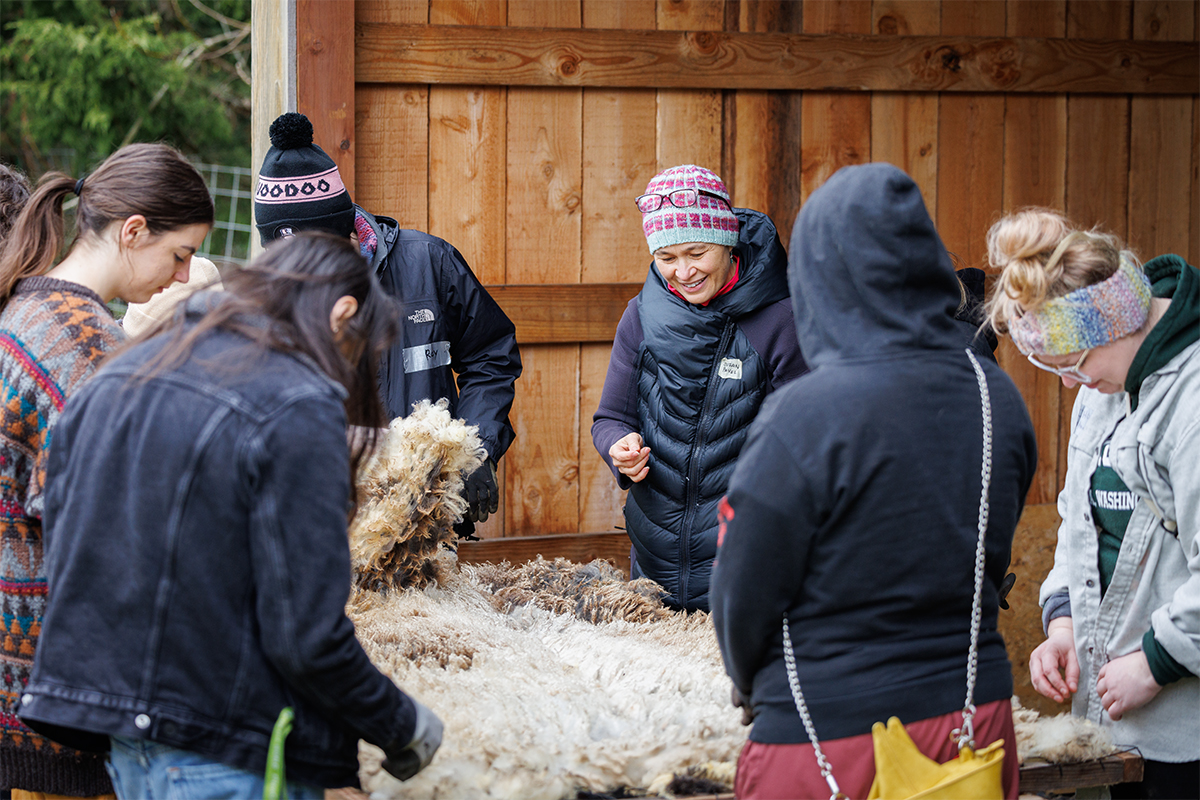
<point>904,126</point>
<point>544,164</point>
<point>399,12</point>
<point>325,79</point>
<point>618,161</point>
<point>601,501</point>
<point>1097,134</point>
<point>467,148</point>
<point>764,132</point>
<point>391,129</point>
<point>835,127</point>
<point>1035,138</point>
<point>467,178</point>
<point>689,121</point>
<point>970,171</point>
<point>468,12</point>
<point>1160,216</point>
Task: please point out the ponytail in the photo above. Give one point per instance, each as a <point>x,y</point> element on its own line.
<point>152,180</point>
<point>37,235</point>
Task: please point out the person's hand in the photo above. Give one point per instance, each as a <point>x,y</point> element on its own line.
<point>416,755</point>
<point>1126,683</point>
<point>738,701</point>
<point>481,492</point>
<point>1053,665</point>
<point>630,457</point>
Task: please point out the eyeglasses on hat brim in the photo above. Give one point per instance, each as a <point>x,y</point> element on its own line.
<point>680,198</point>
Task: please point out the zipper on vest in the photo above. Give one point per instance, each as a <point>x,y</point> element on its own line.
<point>691,480</point>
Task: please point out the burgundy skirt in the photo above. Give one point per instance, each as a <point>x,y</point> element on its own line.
<point>790,771</point>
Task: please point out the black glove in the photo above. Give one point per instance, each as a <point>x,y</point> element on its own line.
<point>1006,587</point>
<point>481,492</point>
<point>738,701</point>
<point>416,755</point>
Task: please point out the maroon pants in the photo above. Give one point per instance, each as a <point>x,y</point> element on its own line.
<point>790,771</point>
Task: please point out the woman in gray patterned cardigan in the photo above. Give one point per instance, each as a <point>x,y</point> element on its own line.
<point>141,216</point>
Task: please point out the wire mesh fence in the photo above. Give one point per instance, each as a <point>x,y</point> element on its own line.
<point>232,190</point>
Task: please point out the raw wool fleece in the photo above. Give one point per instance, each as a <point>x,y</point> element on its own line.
<point>410,496</point>
<point>1061,739</point>
<point>538,705</point>
<point>550,677</point>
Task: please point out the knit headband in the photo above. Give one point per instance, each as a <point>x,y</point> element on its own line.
<point>1091,316</point>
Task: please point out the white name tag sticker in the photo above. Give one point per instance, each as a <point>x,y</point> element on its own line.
<point>730,368</point>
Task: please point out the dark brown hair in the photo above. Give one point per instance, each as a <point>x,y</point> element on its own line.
<point>14,192</point>
<point>153,180</point>
<point>282,301</point>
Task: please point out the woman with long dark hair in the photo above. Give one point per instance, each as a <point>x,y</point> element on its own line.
<point>141,216</point>
<point>200,558</point>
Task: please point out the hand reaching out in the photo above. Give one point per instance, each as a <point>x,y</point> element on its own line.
<point>1050,657</point>
<point>630,457</point>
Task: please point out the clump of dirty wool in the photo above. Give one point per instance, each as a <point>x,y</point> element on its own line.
<point>410,497</point>
<point>1061,739</point>
<point>595,592</point>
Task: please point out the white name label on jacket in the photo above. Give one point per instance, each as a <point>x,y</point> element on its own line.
<point>426,356</point>
<point>730,368</point>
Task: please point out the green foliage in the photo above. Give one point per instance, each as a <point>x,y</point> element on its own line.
<point>87,77</point>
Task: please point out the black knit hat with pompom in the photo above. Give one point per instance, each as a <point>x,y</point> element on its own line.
<point>299,187</point>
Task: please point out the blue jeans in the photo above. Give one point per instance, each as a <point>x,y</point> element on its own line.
<point>145,770</point>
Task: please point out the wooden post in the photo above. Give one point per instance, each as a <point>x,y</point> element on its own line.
<point>272,75</point>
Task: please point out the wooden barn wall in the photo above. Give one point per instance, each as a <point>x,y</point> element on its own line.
<point>533,182</point>
<point>521,130</point>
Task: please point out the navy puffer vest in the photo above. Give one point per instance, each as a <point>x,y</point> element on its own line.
<point>700,384</point>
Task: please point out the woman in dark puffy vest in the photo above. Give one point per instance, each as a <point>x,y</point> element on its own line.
<point>708,338</point>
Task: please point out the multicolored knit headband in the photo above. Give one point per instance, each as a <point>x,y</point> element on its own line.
<point>1089,317</point>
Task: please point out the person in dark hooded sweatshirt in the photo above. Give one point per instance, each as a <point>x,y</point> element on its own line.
<point>708,338</point>
<point>854,508</point>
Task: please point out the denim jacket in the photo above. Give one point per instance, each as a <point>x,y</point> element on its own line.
<point>1156,580</point>
<point>199,567</point>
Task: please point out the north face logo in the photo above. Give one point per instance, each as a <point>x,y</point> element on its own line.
<point>422,315</point>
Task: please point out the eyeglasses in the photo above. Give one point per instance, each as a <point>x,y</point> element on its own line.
<point>1065,372</point>
<point>680,198</point>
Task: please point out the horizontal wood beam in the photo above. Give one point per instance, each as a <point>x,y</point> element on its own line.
<point>566,312</point>
<point>578,547</point>
<point>1039,777</point>
<point>476,55</point>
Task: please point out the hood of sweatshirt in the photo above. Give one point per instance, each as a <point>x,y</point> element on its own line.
<point>868,274</point>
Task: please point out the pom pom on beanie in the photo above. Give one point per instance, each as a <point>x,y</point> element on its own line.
<point>299,186</point>
<point>711,219</point>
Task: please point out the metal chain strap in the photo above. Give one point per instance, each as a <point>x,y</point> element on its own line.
<point>966,734</point>
<point>789,662</point>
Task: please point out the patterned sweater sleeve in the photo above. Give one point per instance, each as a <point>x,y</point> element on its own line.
<point>80,333</point>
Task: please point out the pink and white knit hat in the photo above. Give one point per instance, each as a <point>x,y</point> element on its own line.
<point>710,220</point>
